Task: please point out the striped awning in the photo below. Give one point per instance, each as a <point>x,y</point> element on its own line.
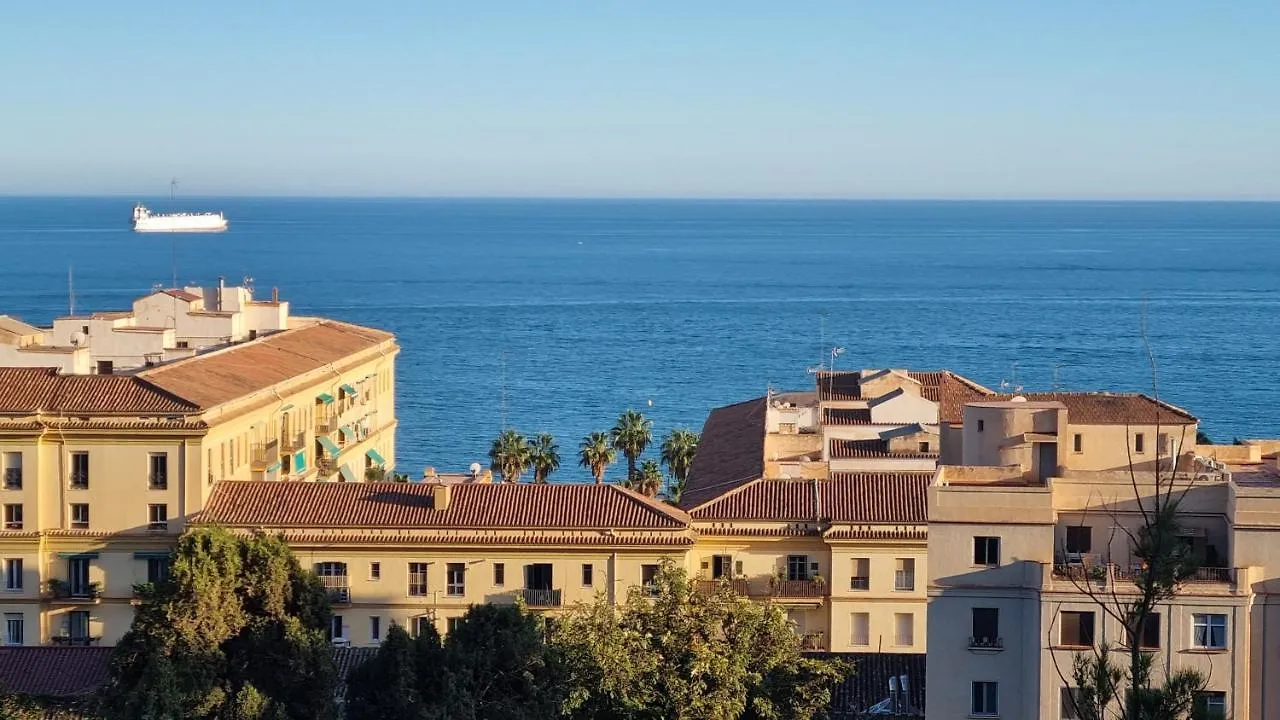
<point>375,456</point>
<point>329,446</point>
<point>348,475</point>
<point>350,391</point>
<point>325,398</point>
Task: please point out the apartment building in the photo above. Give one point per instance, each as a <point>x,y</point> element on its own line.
<point>102,471</point>
<point>1030,516</point>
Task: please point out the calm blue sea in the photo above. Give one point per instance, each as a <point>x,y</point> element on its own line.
<point>581,309</point>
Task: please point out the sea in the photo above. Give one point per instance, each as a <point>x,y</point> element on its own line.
<point>557,315</point>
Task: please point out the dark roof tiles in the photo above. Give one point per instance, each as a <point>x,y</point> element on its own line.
<point>864,497</point>
<point>29,391</point>
<point>53,671</point>
<point>730,452</point>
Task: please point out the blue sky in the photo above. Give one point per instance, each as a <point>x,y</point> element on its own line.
<point>709,99</point>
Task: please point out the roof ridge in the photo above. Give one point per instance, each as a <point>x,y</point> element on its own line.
<point>731,492</point>
<point>652,504</point>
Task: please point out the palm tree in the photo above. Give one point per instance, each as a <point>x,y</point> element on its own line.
<point>678,449</point>
<point>648,479</point>
<point>596,453</point>
<point>509,456</point>
<point>544,456</point>
<point>632,435</point>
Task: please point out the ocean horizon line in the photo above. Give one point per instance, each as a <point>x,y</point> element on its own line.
<point>814,199</point>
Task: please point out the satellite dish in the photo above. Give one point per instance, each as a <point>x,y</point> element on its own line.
<point>475,470</point>
<point>77,338</point>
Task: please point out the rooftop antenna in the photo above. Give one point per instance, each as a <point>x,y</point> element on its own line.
<point>173,187</point>
<point>503,384</point>
<point>71,292</point>
<point>1056,368</point>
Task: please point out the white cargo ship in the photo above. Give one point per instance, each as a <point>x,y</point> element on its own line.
<point>146,221</point>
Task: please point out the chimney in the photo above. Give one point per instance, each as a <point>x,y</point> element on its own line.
<point>275,294</point>
<point>429,474</point>
<point>222,288</point>
<point>441,495</point>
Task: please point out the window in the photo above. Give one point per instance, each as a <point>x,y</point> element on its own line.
<point>13,628</point>
<point>721,566</point>
<point>13,517</point>
<point>424,624</point>
<point>13,574</point>
<point>981,426</point>
<point>453,624</point>
<point>986,628</point>
<point>1162,444</point>
<point>1149,637</point>
<point>157,516</point>
<point>417,579</point>
<point>79,516</point>
<point>648,576</point>
<point>1139,443</point>
<point>375,570</point>
<point>13,471</point>
<point>1209,631</point>
<point>499,574</point>
<point>105,367</point>
<point>860,628</point>
<point>158,475</point>
<point>1210,705</point>
<point>375,628</point>
<point>986,699</point>
<point>1079,539</point>
<point>80,470</point>
<point>1077,443</point>
<point>861,578</point>
<point>335,628</point>
<point>787,428</point>
<point>1070,703</point>
<point>904,577</point>
<point>78,577</point>
<point>797,567</point>
<point>157,569</point>
<point>588,574</point>
<point>1077,629</point>
<point>986,551</point>
<point>78,627</point>
<point>904,629</point>
<point>456,580</point>
<point>924,446</point>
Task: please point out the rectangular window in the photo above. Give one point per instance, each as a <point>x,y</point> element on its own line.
<point>13,628</point>
<point>860,629</point>
<point>13,517</point>
<point>797,567</point>
<point>158,474</point>
<point>499,574</point>
<point>375,570</point>
<point>13,471</point>
<point>375,628</point>
<point>648,576</point>
<point>423,624</point>
<point>986,628</point>
<point>335,628</point>
<point>79,516</point>
<point>1149,636</point>
<point>157,570</point>
<point>1139,443</point>
<point>981,426</point>
<point>1162,444</point>
<point>1209,631</point>
<point>78,577</point>
<point>157,516</point>
<point>1070,703</point>
<point>80,470</point>
<point>924,447</point>
<point>861,578</point>
<point>417,579</point>
<point>452,624</point>
<point>13,574</point>
<point>986,698</point>
<point>1077,443</point>
<point>1077,629</point>
<point>904,629</point>
<point>986,551</point>
<point>1210,705</point>
<point>78,627</point>
<point>456,580</point>
<point>1079,539</point>
<point>904,577</point>
<point>721,566</point>
<point>588,574</point>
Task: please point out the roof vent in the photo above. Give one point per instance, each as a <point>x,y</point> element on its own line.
<point>1017,398</point>
<point>441,495</point>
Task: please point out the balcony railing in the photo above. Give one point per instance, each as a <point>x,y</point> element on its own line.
<point>62,590</point>
<point>326,425</point>
<point>813,642</point>
<point>339,594</point>
<point>293,441</point>
<point>158,481</point>
<point>75,641</point>
<point>263,455</point>
<point>1100,573</point>
<point>326,466</point>
<point>986,643</point>
<point>859,583</point>
<point>798,589</point>
<point>540,598</point>
<point>1213,575</point>
<point>737,587</point>
<point>79,480</point>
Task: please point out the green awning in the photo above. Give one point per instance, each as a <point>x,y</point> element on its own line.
<point>348,390</point>
<point>273,467</point>
<point>325,398</point>
<point>80,555</point>
<point>348,434</point>
<point>348,475</point>
<point>300,461</point>
<point>286,407</point>
<point>375,456</point>
<point>151,555</point>
<point>329,446</point>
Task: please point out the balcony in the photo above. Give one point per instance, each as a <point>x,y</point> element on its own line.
<point>75,641</point>
<point>263,455</point>
<point>806,589</point>
<point>1213,575</point>
<point>326,425</point>
<point>813,642</point>
<point>986,643</point>
<point>291,442</point>
<point>1114,573</point>
<point>63,592</point>
<point>336,587</point>
<point>540,598</point>
<point>710,587</point>
<point>326,466</point>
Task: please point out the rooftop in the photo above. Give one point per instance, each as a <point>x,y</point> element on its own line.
<point>30,391</point>
<point>730,452</point>
<point>847,449</point>
<point>864,497</point>
<point>1105,408</point>
<point>54,671</point>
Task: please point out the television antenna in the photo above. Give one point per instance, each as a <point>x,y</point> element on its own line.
<point>173,187</point>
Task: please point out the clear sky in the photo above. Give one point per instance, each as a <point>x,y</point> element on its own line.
<point>983,98</point>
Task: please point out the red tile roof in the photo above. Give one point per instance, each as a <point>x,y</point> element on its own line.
<point>845,449</point>
<point>952,393</point>
<point>410,506</point>
<point>53,671</point>
<point>28,391</point>
<point>949,390</point>
<point>730,452</point>
<point>1102,408</point>
<point>874,498</point>
<point>846,416</point>
<point>181,294</point>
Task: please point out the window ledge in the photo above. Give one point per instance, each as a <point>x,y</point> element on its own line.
<point>983,717</point>
<point>1071,647</point>
<point>1207,651</point>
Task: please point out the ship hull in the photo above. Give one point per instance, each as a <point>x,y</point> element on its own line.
<point>181,224</point>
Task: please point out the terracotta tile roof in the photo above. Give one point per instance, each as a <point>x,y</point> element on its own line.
<point>1102,408</point>
<point>845,449</point>
<point>409,506</point>
<point>760,532</point>
<point>944,387</point>
<point>952,392</point>
<point>878,534</point>
<point>53,671</point>
<point>868,497</point>
<point>840,385</point>
<point>181,294</point>
<point>730,452</point>
<point>13,326</point>
<point>842,416</point>
<point>559,539</point>
<point>218,377</point>
<point>28,391</point>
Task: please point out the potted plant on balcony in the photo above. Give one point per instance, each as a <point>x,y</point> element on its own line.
<point>819,580</point>
<point>57,588</point>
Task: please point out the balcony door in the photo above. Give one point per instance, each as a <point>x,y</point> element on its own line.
<point>538,577</point>
<point>78,576</point>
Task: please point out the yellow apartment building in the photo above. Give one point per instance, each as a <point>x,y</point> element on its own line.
<point>1030,505</point>
<point>102,471</point>
<point>414,553</point>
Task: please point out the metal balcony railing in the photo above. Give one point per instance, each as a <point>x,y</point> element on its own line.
<point>326,425</point>
<point>859,583</point>
<point>798,589</point>
<point>737,587</point>
<point>326,466</point>
<point>813,642</point>
<point>75,641</point>
<point>293,441</point>
<point>1213,575</point>
<point>541,598</point>
<point>262,455</point>
<point>74,592</point>
<point>158,481</point>
<point>986,642</point>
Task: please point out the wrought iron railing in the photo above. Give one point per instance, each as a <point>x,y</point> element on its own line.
<point>541,597</point>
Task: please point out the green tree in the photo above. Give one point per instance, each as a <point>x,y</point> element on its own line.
<point>670,651</point>
<point>238,631</point>
<point>631,436</point>
<point>387,687</point>
<point>648,479</point>
<point>596,453</point>
<point>678,449</point>
<point>544,456</point>
<point>510,456</point>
